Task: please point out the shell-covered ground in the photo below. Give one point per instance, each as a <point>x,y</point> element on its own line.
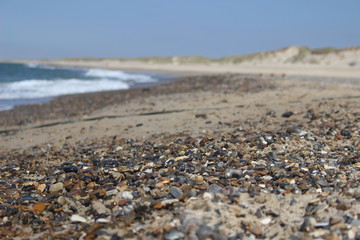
<point>256,178</point>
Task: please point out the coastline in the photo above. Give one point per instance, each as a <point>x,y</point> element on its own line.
<point>292,70</point>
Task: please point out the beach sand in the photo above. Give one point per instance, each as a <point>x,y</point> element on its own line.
<point>215,156</point>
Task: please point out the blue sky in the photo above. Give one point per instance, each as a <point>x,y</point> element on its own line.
<point>133,28</point>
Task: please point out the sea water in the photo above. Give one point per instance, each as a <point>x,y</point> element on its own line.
<point>33,83</point>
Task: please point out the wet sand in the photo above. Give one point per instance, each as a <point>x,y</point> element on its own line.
<point>205,157</point>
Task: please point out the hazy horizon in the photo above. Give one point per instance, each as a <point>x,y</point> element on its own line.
<point>169,56</point>
<point>47,30</point>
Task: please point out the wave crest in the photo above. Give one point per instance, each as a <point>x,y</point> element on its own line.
<point>103,73</point>
<point>51,88</point>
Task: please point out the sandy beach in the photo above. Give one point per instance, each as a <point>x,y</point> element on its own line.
<point>207,156</point>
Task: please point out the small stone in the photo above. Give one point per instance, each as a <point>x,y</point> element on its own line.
<point>233,173</point>
<point>322,182</point>
<point>205,232</point>
<point>271,113</point>
<point>55,188</point>
<point>61,200</point>
<point>99,207</point>
<point>356,223</point>
<point>127,195</point>
<point>266,221</point>
<point>261,199</point>
<point>336,219</point>
<point>118,148</point>
<point>214,188</point>
<point>146,189</point>
<point>176,192</point>
<point>41,187</point>
<point>259,213</point>
<point>346,133</point>
<point>180,158</point>
<point>267,178</point>
<point>174,235</point>
<point>308,224</point>
<point>70,168</point>
<point>287,114</point>
<point>257,231</point>
<point>294,130</point>
<point>200,204</point>
<point>102,220</point>
<point>111,192</point>
<point>316,234</point>
<point>164,203</point>
<point>342,205</point>
<point>39,207</point>
<point>201,115</point>
<point>321,225</point>
<point>77,219</point>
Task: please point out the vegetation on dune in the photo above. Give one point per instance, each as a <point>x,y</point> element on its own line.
<point>302,53</point>
<point>243,58</point>
<point>320,51</point>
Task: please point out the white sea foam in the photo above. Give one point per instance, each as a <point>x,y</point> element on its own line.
<point>35,65</point>
<point>103,73</point>
<point>51,88</point>
<point>84,80</point>
<point>32,65</point>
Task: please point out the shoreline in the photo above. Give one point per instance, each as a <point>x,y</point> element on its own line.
<point>222,156</point>
<point>161,78</point>
<point>180,71</point>
<point>266,70</point>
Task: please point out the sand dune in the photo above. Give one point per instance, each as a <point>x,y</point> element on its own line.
<point>291,61</point>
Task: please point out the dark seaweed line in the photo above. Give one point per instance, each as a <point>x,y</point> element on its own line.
<point>111,117</point>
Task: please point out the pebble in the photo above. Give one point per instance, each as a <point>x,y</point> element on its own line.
<point>39,207</point>
<point>77,219</point>
<point>174,235</point>
<point>308,224</point>
<point>57,187</point>
<point>41,187</point>
<point>287,114</point>
<point>127,195</point>
<point>336,219</point>
<point>70,168</point>
<point>61,200</point>
<point>266,221</point>
<point>257,231</point>
<point>233,173</point>
<point>99,207</point>
<point>214,188</point>
<point>176,192</point>
<point>205,232</point>
<point>346,133</point>
<point>111,192</point>
<point>102,220</point>
<point>322,182</point>
<point>164,203</point>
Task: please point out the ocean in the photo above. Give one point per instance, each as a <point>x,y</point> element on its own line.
<point>22,84</point>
